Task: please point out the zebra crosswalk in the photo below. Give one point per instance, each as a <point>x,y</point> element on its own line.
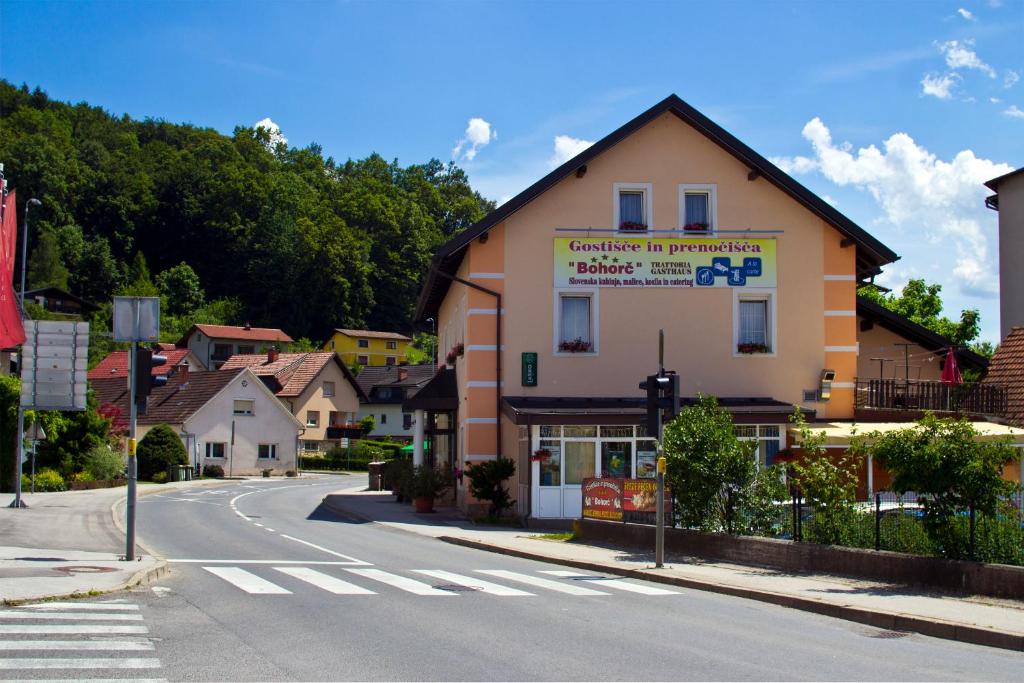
<point>106,638</point>
<point>366,581</point>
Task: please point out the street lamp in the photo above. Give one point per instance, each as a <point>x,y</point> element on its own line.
<point>24,246</point>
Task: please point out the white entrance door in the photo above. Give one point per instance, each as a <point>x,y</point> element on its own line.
<point>579,462</point>
<point>548,475</point>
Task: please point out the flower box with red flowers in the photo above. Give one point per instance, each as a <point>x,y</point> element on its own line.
<point>540,454</point>
<point>695,227</point>
<point>574,346</point>
<point>632,226</point>
<point>751,348</point>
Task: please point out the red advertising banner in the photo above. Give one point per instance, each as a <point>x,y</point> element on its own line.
<point>602,499</point>
<point>12,332</point>
<point>641,495</point>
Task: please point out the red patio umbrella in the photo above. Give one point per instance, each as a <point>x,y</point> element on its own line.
<point>950,371</point>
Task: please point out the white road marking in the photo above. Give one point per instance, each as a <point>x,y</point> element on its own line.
<point>62,616</point>
<point>324,581</point>
<point>611,583</point>
<point>55,606</point>
<point>269,529</point>
<point>105,645</point>
<point>326,550</point>
<point>250,583</point>
<point>540,583</point>
<point>471,582</point>
<point>80,663</point>
<point>316,562</point>
<point>78,629</point>
<point>257,524</point>
<point>90,680</point>
<point>408,585</point>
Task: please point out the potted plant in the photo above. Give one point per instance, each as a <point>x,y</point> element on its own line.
<point>540,454</point>
<point>427,484</point>
<point>695,227</point>
<point>460,349</point>
<point>751,348</point>
<point>397,476</point>
<point>575,346</point>
<point>632,226</point>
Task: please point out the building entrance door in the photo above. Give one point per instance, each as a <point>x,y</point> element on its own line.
<point>578,464</point>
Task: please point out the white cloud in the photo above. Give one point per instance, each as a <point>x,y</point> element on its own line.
<point>478,134</point>
<point>994,100</point>
<point>274,130</point>
<point>939,86</point>
<point>1010,78</point>
<point>922,196</point>
<point>831,200</point>
<point>966,14</point>
<point>566,147</point>
<point>797,164</point>
<point>960,55</point>
<point>1014,112</point>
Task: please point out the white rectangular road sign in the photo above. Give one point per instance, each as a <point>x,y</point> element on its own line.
<point>54,362</point>
<point>136,318</point>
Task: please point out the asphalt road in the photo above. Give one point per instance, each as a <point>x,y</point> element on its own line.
<point>268,585</point>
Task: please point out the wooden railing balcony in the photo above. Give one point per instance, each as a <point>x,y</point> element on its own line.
<point>970,398</point>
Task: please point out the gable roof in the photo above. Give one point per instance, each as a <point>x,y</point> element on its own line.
<point>116,364</point>
<point>370,334</point>
<point>291,373</point>
<point>871,253</point>
<point>1007,369</point>
<point>996,182</point>
<point>173,403</point>
<point>58,293</point>
<point>373,376</point>
<point>270,334</point>
<point>920,335</point>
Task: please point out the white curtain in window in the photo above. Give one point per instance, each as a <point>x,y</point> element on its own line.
<point>575,318</point>
<point>753,322</point>
<point>631,207</point>
<point>697,209</point>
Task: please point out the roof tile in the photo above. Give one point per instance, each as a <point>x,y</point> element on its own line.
<point>1007,368</point>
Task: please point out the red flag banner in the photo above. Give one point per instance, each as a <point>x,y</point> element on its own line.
<point>12,332</point>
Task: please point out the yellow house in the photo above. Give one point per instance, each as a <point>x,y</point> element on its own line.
<point>549,310</point>
<point>366,347</point>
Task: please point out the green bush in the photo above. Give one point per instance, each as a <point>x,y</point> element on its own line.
<point>487,482</point>
<point>428,482</point>
<point>102,462</point>
<point>46,480</point>
<point>213,471</point>
<point>160,478</point>
<point>391,449</point>
<point>160,450</point>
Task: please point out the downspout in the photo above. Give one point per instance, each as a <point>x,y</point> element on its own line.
<point>497,353</point>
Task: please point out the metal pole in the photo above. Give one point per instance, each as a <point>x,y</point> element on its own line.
<point>659,535</point>
<point>878,521</point>
<point>133,470</point>
<point>19,452</point>
<point>24,246</point>
<point>35,445</point>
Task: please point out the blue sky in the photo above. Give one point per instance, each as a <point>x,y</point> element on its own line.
<point>896,112</point>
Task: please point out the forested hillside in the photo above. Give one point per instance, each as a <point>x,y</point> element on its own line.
<point>277,236</point>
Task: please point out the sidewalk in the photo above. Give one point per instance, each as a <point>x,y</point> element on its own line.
<point>973,619</point>
<point>71,544</point>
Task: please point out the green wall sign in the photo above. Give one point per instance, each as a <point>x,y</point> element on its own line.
<point>529,369</point>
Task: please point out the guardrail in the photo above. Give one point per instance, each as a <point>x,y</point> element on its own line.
<point>898,394</point>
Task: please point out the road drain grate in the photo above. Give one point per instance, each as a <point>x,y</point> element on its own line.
<point>455,588</point>
<point>888,635</point>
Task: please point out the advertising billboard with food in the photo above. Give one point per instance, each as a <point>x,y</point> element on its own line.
<point>602,499</point>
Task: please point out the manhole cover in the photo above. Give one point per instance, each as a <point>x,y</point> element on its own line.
<point>887,635</point>
<point>454,588</point>
<point>84,569</point>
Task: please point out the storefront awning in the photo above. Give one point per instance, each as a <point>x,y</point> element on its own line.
<point>440,393</point>
<point>579,410</point>
<point>840,433</point>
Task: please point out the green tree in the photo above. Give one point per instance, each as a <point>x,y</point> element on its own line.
<point>952,471</point>
<point>45,268</point>
<point>10,396</point>
<point>367,424</point>
<point>160,450</point>
<point>70,436</point>
<point>180,288</point>
<point>922,303</point>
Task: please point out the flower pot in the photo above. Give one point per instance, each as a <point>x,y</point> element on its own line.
<point>424,504</point>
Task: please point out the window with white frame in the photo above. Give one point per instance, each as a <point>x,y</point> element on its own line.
<point>267,451</point>
<point>311,446</point>
<point>392,345</point>
<point>312,418</point>
<point>215,450</point>
<point>328,389</point>
<point>697,209</point>
<point>753,325</point>
<point>244,407</point>
<point>575,323</point>
<point>633,206</point>
<point>769,440</point>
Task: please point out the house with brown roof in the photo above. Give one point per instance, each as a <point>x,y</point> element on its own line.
<point>116,363</point>
<point>227,418</point>
<point>387,388</point>
<point>369,348</point>
<point>317,388</point>
<point>214,344</point>
<point>1006,368</point>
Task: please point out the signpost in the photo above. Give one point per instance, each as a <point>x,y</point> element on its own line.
<point>54,361</point>
<point>136,318</point>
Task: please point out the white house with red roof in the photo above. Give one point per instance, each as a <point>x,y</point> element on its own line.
<point>214,344</point>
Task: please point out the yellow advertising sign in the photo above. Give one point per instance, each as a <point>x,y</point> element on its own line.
<point>664,262</point>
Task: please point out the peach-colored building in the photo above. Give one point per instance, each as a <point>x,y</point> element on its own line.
<point>551,307</point>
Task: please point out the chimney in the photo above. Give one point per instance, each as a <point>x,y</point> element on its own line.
<point>403,374</point>
<point>247,326</point>
<point>182,371</point>
<point>272,354</point>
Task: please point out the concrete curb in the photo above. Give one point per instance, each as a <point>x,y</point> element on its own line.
<point>935,628</point>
